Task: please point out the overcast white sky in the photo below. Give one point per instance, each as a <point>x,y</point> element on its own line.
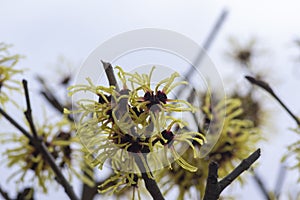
<point>43,30</point>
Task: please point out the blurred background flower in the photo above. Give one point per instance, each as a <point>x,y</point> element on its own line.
<point>8,81</point>
<point>239,138</point>
<point>63,145</point>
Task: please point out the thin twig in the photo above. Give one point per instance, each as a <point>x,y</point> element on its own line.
<point>110,74</point>
<point>48,94</point>
<point>28,112</point>
<point>39,144</point>
<point>4,194</point>
<point>53,101</point>
<point>215,188</point>
<point>207,44</point>
<point>88,193</point>
<point>243,166</point>
<point>60,177</point>
<point>208,41</point>
<point>267,88</point>
<point>15,124</point>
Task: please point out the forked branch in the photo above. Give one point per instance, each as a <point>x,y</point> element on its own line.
<point>214,187</point>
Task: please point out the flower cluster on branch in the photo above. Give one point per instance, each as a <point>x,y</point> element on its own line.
<point>120,125</point>
<point>63,145</point>
<point>8,73</point>
<point>238,138</point>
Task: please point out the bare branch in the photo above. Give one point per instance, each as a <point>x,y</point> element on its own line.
<point>48,94</point>
<point>28,113</point>
<point>267,88</point>
<point>15,124</point>
<point>53,101</point>
<point>215,188</point>
<point>110,74</point>
<point>243,166</point>
<point>209,40</point>
<point>60,177</point>
<point>212,185</point>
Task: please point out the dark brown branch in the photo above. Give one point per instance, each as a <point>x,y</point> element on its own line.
<point>51,98</point>
<point>110,74</point>
<point>267,88</point>
<point>53,101</point>
<point>15,124</point>
<point>28,112</point>
<point>60,177</point>
<point>243,166</point>
<point>150,183</point>
<point>215,188</point>
<point>39,144</point>
<point>212,185</point>
<point>88,192</point>
<point>4,194</point>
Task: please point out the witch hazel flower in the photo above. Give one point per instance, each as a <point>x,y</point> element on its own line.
<point>135,120</point>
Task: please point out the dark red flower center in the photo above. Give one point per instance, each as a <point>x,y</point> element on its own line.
<point>153,99</point>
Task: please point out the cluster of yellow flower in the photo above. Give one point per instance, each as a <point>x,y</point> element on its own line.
<point>7,73</point>
<point>237,139</point>
<point>132,121</point>
<point>61,143</point>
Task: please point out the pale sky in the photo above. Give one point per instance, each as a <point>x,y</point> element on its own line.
<point>43,30</point>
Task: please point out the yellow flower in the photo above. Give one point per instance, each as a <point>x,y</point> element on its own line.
<point>7,73</point>
<point>133,121</point>
<point>60,140</point>
<point>184,180</point>
<point>253,109</point>
<point>121,182</point>
<point>154,99</point>
<point>237,140</point>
